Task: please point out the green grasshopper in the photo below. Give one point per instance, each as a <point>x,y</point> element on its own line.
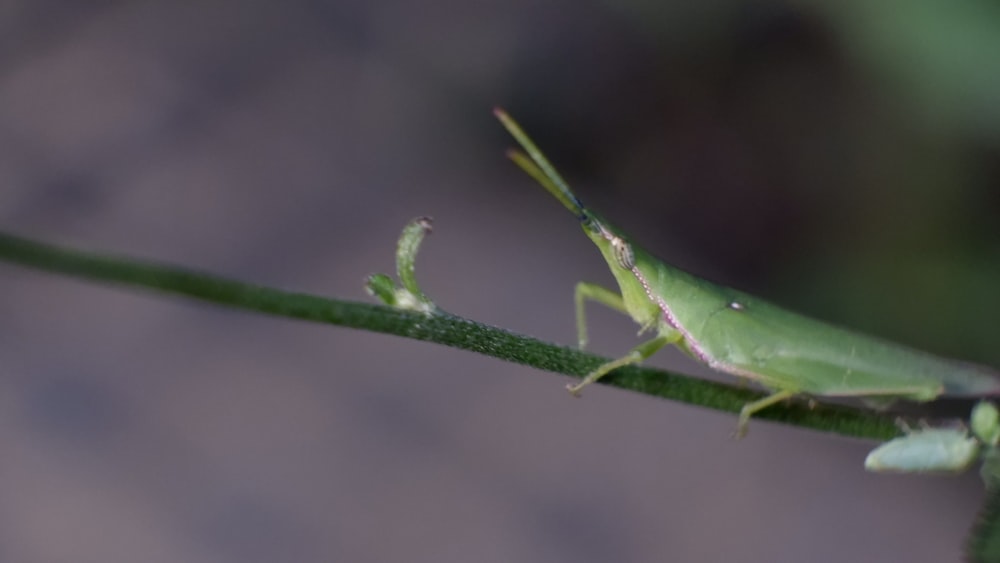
<point>739,334</point>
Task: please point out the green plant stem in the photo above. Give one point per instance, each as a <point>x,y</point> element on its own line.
<point>441,328</point>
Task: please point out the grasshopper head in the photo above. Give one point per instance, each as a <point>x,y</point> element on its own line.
<point>631,268</point>
<point>617,251</point>
<point>531,160</point>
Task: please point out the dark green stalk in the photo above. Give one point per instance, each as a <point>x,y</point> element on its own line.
<point>441,328</point>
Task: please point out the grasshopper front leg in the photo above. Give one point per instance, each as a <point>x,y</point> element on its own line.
<point>592,292</point>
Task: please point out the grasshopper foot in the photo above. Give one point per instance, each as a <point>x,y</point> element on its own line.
<point>574,389</point>
<point>742,426</point>
<point>749,409</point>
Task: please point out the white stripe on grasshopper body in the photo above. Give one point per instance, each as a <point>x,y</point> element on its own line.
<point>742,335</point>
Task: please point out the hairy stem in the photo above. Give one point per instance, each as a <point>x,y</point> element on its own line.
<point>440,328</point>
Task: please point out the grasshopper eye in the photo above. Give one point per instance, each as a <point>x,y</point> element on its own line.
<point>623,253</point>
<point>590,224</point>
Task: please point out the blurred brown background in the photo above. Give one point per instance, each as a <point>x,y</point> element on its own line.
<point>836,157</point>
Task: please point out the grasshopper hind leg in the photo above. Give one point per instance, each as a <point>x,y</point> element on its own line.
<point>749,409</point>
